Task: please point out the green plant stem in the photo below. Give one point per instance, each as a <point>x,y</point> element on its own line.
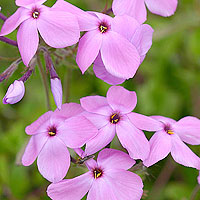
<point>195,192</point>
<point>44,80</point>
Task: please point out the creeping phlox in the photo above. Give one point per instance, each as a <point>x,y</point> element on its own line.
<point>116,46</point>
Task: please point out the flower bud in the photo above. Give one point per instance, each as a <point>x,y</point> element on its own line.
<point>56,88</point>
<point>14,93</point>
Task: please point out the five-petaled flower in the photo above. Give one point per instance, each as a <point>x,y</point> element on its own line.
<point>107,178</point>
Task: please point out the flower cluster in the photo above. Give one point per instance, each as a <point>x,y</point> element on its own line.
<point>116,46</point>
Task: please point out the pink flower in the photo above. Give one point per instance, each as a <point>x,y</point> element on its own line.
<point>171,138</point>
<point>113,115</point>
<point>139,35</point>
<point>108,179</point>
<point>120,57</point>
<point>58,29</point>
<point>137,9</point>
<point>51,134</point>
<point>14,93</point>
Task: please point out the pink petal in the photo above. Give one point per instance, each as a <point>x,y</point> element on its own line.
<point>162,7</point>
<point>103,138</point>
<point>129,24</point>
<point>133,140</point>
<point>29,3</point>
<point>88,49</point>
<point>134,8</point>
<point>125,185</point>
<point>182,153</point>
<point>160,147</point>
<point>28,40</point>
<point>144,123</point>
<point>86,21</point>
<point>33,148</point>
<point>58,29</point>
<point>69,110</point>
<point>142,39</point>
<point>164,120</point>
<point>114,159</point>
<point>119,56</point>
<point>121,99</point>
<point>14,21</point>
<point>72,189</point>
<point>101,73</point>
<point>54,160</point>
<point>39,125</point>
<point>76,131</point>
<point>188,129</point>
<point>98,120</point>
<point>96,104</point>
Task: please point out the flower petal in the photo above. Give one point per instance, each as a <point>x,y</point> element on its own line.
<point>182,153</point>
<point>86,21</point>
<point>74,189</point>
<point>88,49</point>
<point>164,120</point>
<point>103,138</point>
<point>134,8</point>
<point>96,104</point>
<point>121,99</point>
<point>125,184</point>
<point>58,29</point>
<point>14,21</point>
<point>160,147</point>
<point>76,131</point>
<point>39,125</point>
<point>114,159</point>
<point>129,24</point>
<point>188,129</point>
<point>101,72</point>
<point>142,39</point>
<point>28,3</point>
<point>54,160</point>
<point>28,40</point>
<point>119,56</point>
<point>133,140</point>
<point>69,110</point>
<point>33,148</point>
<point>144,123</point>
<point>162,7</point>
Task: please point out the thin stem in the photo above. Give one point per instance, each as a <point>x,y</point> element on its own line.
<point>67,84</point>
<point>3,17</point>
<point>44,80</point>
<point>195,192</point>
<point>8,41</point>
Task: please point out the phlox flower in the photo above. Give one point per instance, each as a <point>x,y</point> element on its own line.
<point>171,138</point>
<point>107,178</point>
<point>137,9</point>
<point>139,35</point>
<point>51,134</point>
<point>112,114</point>
<point>14,93</point>
<point>57,28</point>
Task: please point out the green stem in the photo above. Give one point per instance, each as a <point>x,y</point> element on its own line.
<point>195,192</point>
<point>44,80</point>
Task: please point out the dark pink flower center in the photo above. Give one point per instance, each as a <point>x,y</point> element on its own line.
<point>97,173</point>
<point>35,13</point>
<point>168,130</point>
<point>114,118</point>
<point>103,27</point>
<point>52,131</point>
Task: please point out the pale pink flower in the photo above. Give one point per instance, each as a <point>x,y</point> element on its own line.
<point>170,139</point>
<point>139,35</point>
<point>58,29</point>
<point>14,93</point>
<point>56,88</point>
<point>113,115</point>
<point>51,134</point>
<point>137,9</point>
<point>107,178</point>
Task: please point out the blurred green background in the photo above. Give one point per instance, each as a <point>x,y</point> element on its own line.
<point>167,83</point>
